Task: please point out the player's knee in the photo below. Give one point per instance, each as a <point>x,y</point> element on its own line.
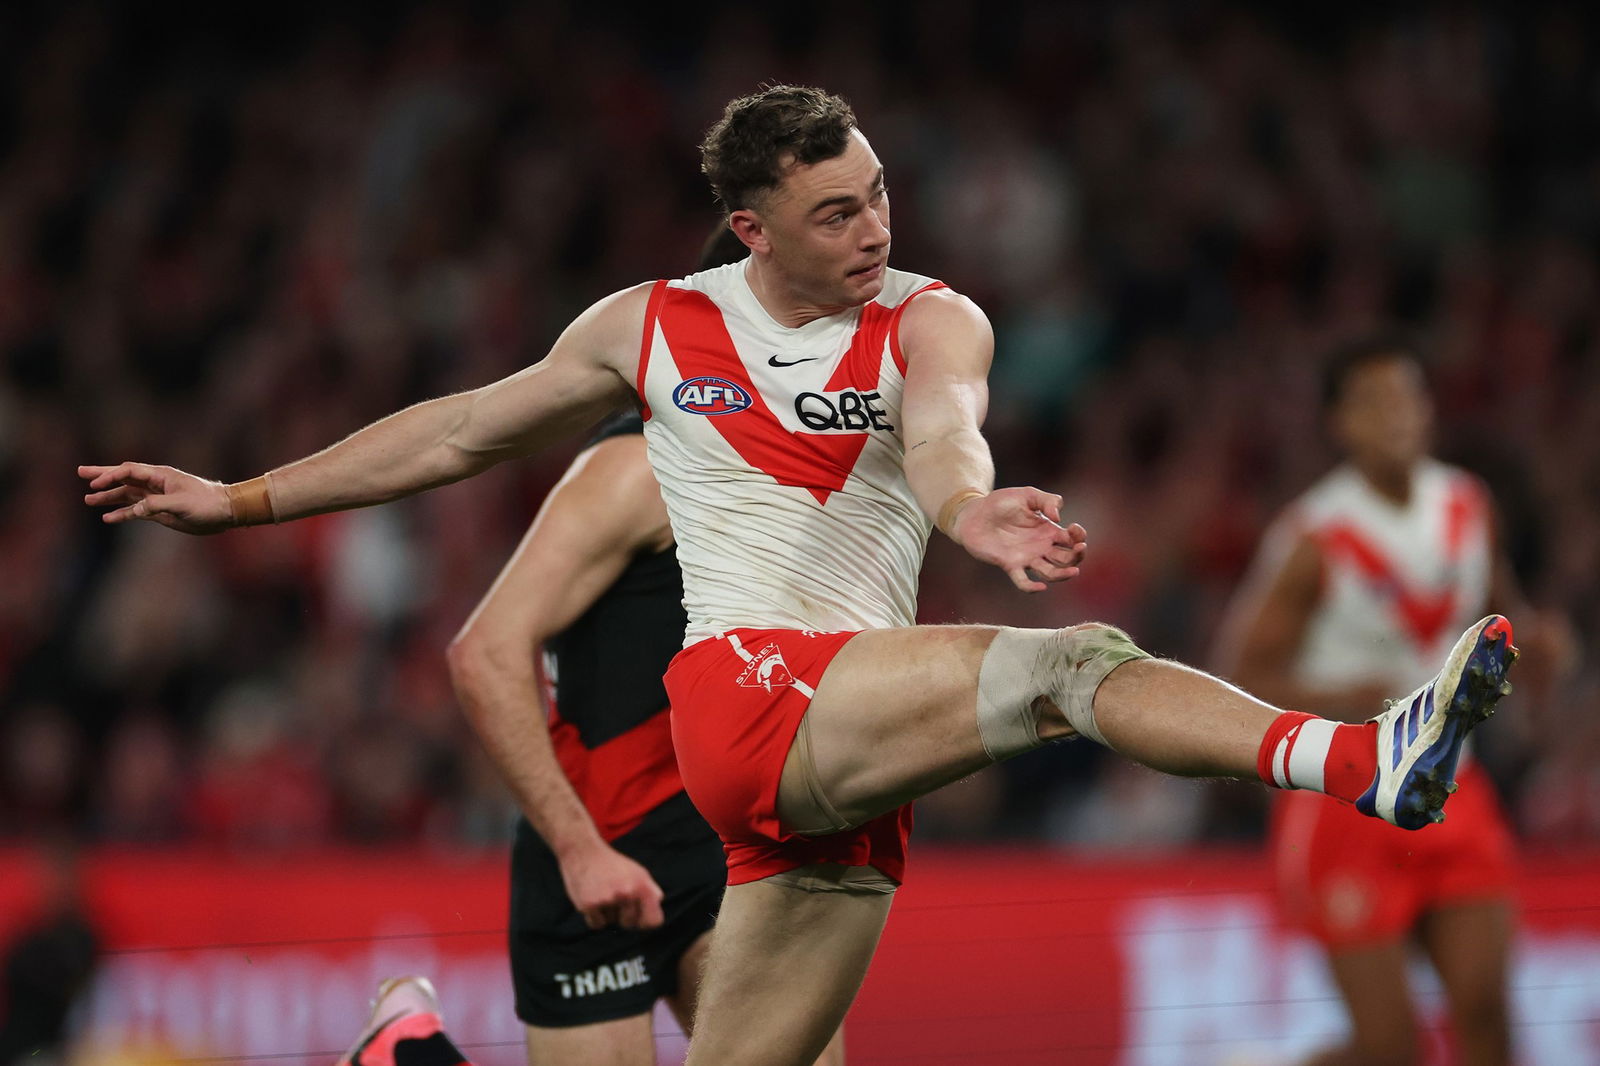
<point>1085,656</point>
<point>1064,666</point>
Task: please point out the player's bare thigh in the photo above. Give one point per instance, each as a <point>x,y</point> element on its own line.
<point>895,717</point>
<point>793,959</point>
<point>683,1002</point>
<point>622,1042</point>
<point>691,967</point>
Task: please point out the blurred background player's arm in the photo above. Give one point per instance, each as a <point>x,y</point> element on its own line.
<point>603,513</point>
<point>421,447</point>
<point>1266,627</point>
<point>949,346</point>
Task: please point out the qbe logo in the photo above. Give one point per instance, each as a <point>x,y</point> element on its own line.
<point>848,411</point>
<point>710,396</point>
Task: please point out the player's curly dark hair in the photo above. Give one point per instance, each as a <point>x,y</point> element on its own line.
<point>745,153</point>
<point>1340,365</point>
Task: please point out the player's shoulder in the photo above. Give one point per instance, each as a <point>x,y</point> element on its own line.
<point>618,457</point>
<point>624,301</point>
<point>1336,491</point>
<point>713,280</point>
<point>900,285</point>
<point>611,493</point>
<point>1304,519</point>
<point>1457,480</point>
<point>930,309</point>
<point>617,317</point>
<point>615,463</point>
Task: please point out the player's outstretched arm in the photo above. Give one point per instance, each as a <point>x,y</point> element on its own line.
<point>948,346</point>
<point>586,374</point>
<point>605,511</point>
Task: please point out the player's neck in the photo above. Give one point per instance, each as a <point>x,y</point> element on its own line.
<point>1392,483</point>
<point>785,306</point>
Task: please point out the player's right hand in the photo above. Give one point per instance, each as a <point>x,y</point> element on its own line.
<point>608,888</point>
<point>1020,531</point>
<point>159,494</point>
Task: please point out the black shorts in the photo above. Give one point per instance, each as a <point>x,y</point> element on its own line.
<point>566,974</point>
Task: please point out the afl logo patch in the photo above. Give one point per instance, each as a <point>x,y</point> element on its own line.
<point>710,396</point>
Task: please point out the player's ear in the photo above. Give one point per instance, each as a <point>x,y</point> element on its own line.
<point>749,228</point>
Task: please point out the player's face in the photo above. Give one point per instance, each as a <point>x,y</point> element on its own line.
<point>827,225</point>
<point>1385,416</point>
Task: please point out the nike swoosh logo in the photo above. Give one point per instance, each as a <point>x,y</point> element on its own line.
<point>773,360</point>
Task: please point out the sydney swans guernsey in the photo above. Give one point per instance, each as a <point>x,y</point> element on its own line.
<point>781,458</point>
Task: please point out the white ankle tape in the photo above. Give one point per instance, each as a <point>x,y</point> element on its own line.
<point>1066,665</point>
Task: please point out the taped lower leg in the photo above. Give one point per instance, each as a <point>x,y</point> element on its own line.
<point>1065,665</point>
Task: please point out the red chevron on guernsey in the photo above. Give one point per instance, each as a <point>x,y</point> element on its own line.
<point>1423,615</point>
<point>698,342</point>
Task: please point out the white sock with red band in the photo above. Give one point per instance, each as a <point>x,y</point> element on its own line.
<point>1301,750</point>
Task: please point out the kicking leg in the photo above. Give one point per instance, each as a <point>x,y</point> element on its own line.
<point>1180,721</point>
<point>900,712</point>
<point>817,943</point>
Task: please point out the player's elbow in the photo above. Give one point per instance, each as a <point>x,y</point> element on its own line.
<point>488,662</point>
<point>471,660</point>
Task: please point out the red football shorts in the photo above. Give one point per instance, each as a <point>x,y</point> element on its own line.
<point>1348,879</point>
<point>737,701</point>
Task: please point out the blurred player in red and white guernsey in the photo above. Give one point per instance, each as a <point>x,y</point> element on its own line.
<point>811,414</point>
<point>1359,587</point>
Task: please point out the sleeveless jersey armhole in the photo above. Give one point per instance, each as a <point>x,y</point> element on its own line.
<point>1301,529</point>
<point>894,323</point>
<point>651,312</point>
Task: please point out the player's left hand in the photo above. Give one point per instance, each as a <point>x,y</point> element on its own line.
<point>1020,531</point>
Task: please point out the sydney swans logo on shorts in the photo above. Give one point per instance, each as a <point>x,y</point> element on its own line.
<point>710,396</point>
<point>766,670</point>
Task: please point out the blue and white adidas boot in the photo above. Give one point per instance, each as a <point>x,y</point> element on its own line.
<point>1420,736</point>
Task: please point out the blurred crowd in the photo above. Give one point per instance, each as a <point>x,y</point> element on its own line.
<point>226,245</point>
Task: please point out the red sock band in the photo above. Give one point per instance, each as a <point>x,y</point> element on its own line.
<point>1279,729</point>
<point>1352,761</point>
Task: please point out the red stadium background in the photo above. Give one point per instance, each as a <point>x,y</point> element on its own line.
<point>993,958</point>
